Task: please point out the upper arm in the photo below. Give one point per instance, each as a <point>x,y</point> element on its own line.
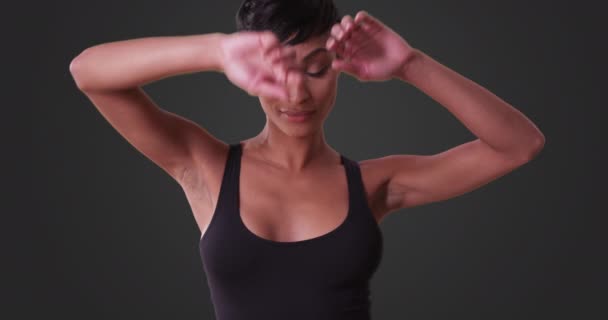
<point>414,180</point>
<point>167,139</point>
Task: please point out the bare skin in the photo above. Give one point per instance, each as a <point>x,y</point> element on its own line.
<point>292,185</point>
<point>281,206</point>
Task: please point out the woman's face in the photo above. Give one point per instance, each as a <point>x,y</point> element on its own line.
<point>312,88</point>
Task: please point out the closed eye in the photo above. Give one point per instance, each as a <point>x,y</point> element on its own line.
<point>320,73</point>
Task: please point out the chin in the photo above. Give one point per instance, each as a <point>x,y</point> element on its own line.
<point>297,129</point>
<point>301,133</point>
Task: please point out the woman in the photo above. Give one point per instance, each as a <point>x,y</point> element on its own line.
<point>302,239</point>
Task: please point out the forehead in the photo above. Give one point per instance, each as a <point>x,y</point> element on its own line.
<point>310,46</point>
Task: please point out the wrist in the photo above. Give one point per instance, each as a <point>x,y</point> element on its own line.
<point>213,50</point>
<point>219,48</point>
<point>411,66</point>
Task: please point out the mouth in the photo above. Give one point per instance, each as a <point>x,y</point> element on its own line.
<point>297,112</point>
<point>297,115</point>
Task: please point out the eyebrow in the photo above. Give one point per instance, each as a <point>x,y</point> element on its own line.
<point>313,52</point>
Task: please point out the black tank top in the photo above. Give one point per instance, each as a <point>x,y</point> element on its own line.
<point>321,278</point>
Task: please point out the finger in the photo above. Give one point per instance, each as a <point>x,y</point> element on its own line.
<point>280,68</point>
<point>270,59</point>
<point>337,32</point>
<point>346,66</point>
<point>348,25</point>
<point>277,70</point>
<point>272,90</point>
<point>335,46</point>
<point>288,63</point>
<point>280,60</point>
<point>284,54</point>
<point>264,85</point>
<point>268,41</point>
<point>348,48</point>
<point>357,40</point>
<point>339,48</point>
<point>364,16</point>
<point>331,43</point>
<point>366,21</point>
<point>271,55</point>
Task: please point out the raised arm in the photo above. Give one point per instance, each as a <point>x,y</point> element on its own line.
<point>111,76</point>
<point>506,138</point>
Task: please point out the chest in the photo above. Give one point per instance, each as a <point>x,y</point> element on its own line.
<point>281,208</point>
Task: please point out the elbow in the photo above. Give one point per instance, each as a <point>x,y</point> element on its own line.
<point>77,66</point>
<point>76,72</point>
<point>535,148</point>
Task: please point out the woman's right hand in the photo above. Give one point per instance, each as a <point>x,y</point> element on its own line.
<point>257,62</point>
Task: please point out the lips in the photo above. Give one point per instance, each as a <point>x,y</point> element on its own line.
<point>297,112</point>
<point>297,116</point>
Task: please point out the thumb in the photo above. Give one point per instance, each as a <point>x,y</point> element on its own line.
<point>345,66</point>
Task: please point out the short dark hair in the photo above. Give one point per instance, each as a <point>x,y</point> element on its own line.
<point>305,18</point>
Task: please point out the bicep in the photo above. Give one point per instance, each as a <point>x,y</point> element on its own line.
<point>165,138</point>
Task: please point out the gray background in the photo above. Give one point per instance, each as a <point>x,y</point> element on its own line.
<point>108,235</point>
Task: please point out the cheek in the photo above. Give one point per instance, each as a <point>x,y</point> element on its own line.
<point>325,90</point>
<point>268,105</point>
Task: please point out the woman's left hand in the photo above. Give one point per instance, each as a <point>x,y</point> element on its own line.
<point>367,49</point>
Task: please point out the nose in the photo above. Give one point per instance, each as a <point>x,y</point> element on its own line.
<point>297,88</point>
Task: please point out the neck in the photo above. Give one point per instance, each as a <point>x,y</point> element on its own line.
<point>291,153</point>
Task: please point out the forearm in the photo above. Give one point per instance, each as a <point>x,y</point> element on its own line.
<point>130,63</point>
<point>487,116</point>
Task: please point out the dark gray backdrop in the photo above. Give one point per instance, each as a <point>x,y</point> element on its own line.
<point>110,236</point>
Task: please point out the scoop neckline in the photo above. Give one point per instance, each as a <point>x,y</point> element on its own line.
<point>326,235</point>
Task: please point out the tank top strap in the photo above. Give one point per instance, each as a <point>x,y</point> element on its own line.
<point>358,200</point>
<point>230,179</point>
